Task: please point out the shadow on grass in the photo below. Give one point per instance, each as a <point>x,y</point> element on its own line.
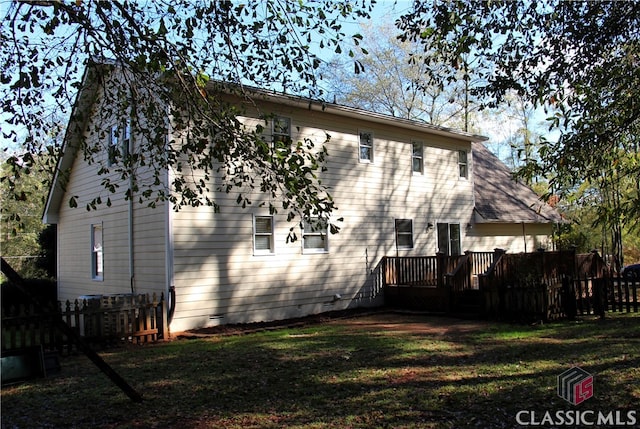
<point>343,374</point>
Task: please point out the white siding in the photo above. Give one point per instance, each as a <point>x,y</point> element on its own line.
<point>513,238</point>
<point>74,235</point>
<point>219,279</point>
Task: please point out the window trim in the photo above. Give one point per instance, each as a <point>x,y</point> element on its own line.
<point>323,233</point>
<point>419,143</point>
<point>271,250</point>
<point>463,164</point>
<point>370,146</point>
<point>448,251</point>
<point>404,233</point>
<point>97,256</point>
<point>119,141</point>
<point>126,137</point>
<point>288,139</point>
<point>114,142</point>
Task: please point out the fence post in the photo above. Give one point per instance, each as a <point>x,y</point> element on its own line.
<point>574,251</point>
<point>598,294</point>
<point>595,269</point>
<point>163,330</point>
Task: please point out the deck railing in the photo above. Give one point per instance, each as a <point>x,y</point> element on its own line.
<point>430,271</point>
<point>459,279</point>
<point>413,271</point>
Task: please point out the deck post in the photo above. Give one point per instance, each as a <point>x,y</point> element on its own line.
<point>441,268</point>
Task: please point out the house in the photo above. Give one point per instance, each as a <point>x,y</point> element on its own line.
<point>401,187</point>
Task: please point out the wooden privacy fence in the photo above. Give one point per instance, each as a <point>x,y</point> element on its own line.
<point>608,293</point>
<point>133,318</point>
<point>527,286</point>
<point>555,285</point>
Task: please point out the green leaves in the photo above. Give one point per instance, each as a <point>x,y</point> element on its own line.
<point>579,72</point>
<point>164,59</point>
<point>23,182</point>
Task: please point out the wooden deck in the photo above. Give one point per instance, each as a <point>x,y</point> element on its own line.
<point>439,283</point>
<point>526,286</point>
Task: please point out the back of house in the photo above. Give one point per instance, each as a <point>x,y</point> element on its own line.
<point>402,188</point>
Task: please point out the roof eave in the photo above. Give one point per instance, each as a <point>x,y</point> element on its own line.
<point>355,113</point>
<point>77,121</point>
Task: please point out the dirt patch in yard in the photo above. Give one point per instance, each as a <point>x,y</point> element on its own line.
<point>414,323</point>
<point>360,319</point>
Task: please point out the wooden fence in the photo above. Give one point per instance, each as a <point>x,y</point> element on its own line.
<point>555,285</point>
<point>609,293</point>
<point>105,319</point>
<point>528,286</point>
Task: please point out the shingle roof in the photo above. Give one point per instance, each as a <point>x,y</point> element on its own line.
<point>500,199</point>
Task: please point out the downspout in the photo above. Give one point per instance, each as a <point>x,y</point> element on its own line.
<point>131,258</point>
<point>170,289</point>
<point>524,238</point>
<point>129,142</point>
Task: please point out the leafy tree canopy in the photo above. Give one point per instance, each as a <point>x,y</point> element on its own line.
<point>22,191</point>
<point>578,60</point>
<point>167,55</point>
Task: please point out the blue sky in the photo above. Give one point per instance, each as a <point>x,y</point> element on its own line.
<point>384,12</point>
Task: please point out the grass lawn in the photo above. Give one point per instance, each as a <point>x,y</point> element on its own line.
<point>378,370</point>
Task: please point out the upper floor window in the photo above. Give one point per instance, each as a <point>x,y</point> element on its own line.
<point>263,242</point>
<point>463,165</point>
<point>417,157</point>
<point>119,142</point>
<point>314,235</point>
<point>366,146</point>
<point>281,132</point>
<point>126,137</point>
<point>404,233</point>
<point>114,143</point>
<point>97,253</point>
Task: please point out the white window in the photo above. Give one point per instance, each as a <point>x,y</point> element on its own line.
<point>404,233</point>
<point>97,252</point>
<point>449,238</point>
<point>314,236</point>
<point>126,137</point>
<point>366,146</point>
<point>112,150</point>
<point>263,242</point>
<point>417,157</point>
<point>281,132</point>
<point>119,142</point>
<point>463,164</point>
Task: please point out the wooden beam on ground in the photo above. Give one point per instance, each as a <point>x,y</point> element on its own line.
<point>71,333</point>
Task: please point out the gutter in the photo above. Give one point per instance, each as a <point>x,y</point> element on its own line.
<point>349,112</point>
